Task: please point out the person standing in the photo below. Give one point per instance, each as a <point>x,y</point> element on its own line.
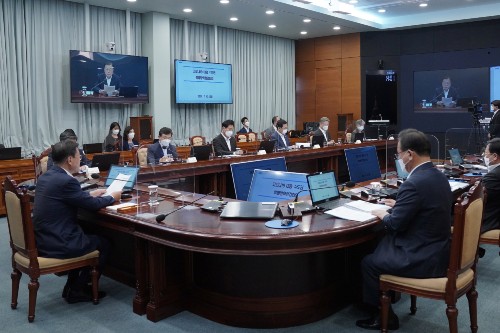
<point>494,128</point>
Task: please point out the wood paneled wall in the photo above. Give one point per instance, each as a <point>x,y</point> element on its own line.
<point>328,79</point>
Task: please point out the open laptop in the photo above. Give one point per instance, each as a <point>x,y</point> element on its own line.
<point>104,161</point>
<point>202,153</point>
<point>268,146</point>
<point>318,140</point>
<point>92,148</point>
<point>129,92</point>
<point>13,153</point>
<point>456,159</point>
<point>324,190</point>
<point>116,170</point>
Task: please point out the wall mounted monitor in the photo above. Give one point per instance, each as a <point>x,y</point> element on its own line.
<point>203,82</point>
<point>275,186</point>
<point>362,163</point>
<point>97,77</point>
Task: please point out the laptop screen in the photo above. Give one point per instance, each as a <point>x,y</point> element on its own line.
<point>362,163</point>
<point>116,170</point>
<point>323,187</point>
<point>455,156</point>
<point>274,186</point>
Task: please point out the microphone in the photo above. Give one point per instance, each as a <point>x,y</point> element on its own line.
<point>436,97</point>
<point>162,217</point>
<point>98,84</point>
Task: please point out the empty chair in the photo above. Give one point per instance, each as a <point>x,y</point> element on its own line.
<point>40,162</point>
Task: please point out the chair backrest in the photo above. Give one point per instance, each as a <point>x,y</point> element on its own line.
<point>142,155</point>
<point>22,235</point>
<point>242,137</point>
<point>40,162</point>
<point>468,216</point>
<point>251,136</point>
<point>263,134</point>
<point>197,140</point>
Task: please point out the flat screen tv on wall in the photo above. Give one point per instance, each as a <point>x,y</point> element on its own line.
<point>108,78</point>
<point>203,82</point>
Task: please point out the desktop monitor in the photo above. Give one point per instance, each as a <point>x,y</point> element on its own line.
<point>362,163</point>
<point>275,186</point>
<point>323,187</point>
<point>115,171</point>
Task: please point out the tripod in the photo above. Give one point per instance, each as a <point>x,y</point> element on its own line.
<point>477,134</point>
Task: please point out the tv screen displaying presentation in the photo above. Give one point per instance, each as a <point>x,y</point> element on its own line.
<point>275,186</point>
<point>203,82</point>
<point>362,163</point>
<point>108,78</point>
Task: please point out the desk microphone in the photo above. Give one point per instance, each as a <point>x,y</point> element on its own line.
<point>91,89</point>
<point>162,217</point>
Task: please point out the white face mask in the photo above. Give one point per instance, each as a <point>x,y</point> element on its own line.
<point>247,124</point>
<point>131,135</point>
<point>360,128</point>
<point>284,131</point>
<point>115,132</point>
<point>406,163</point>
<point>486,161</point>
<point>325,128</point>
<point>229,134</point>
<point>165,142</point>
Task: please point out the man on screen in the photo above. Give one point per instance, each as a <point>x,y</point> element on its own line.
<point>445,91</point>
<point>108,78</point>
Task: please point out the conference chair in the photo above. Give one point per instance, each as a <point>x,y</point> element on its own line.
<point>241,137</point>
<point>197,140</point>
<point>461,275</point>
<point>40,162</point>
<point>251,136</point>
<point>141,155</point>
<point>25,257</point>
<point>491,237</point>
<point>263,135</point>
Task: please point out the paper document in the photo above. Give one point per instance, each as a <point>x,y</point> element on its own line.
<point>365,206</point>
<point>346,213</point>
<point>117,184</point>
<point>110,90</point>
<point>123,205</point>
<point>457,185</point>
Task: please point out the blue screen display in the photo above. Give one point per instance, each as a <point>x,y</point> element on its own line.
<point>243,172</point>
<point>125,170</point>
<point>274,186</point>
<point>456,159</point>
<point>362,163</point>
<point>203,82</point>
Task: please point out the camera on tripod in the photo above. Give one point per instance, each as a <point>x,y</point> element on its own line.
<point>476,109</point>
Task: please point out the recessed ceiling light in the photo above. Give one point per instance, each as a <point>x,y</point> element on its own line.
<point>336,27</point>
<point>131,0</point>
<point>234,19</point>
<point>306,20</point>
<point>269,12</point>
<point>423,5</point>
<point>303,32</point>
<point>272,26</point>
<point>353,1</point>
<point>187,10</point>
<point>381,10</point>
<point>224,2</point>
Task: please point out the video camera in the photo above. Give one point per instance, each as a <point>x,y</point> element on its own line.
<point>475,108</point>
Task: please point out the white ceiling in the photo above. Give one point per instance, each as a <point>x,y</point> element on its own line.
<point>289,14</point>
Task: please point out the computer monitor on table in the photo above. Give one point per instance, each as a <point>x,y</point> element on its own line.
<point>115,171</point>
<point>104,161</point>
<point>275,186</point>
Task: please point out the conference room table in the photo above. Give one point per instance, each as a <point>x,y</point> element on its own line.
<point>233,271</point>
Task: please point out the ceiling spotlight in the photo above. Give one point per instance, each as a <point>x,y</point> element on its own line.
<point>224,2</point>
<point>303,32</point>
<point>306,20</point>
<point>381,10</point>
<point>234,19</point>
<point>131,0</point>
<point>336,27</point>
<point>353,1</point>
<point>187,10</point>
<point>423,5</point>
<point>269,12</point>
<point>272,26</point>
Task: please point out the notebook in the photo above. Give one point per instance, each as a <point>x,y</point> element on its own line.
<point>324,190</point>
<point>104,161</point>
<point>268,146</point>
<point>249,210</point>
<point>115,171</point>
<point>202,153</point>
<point>13,153</point>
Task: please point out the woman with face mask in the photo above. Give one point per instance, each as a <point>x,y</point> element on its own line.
<point>113,141</point>
<point>359,128</point>
<point>129,140</point>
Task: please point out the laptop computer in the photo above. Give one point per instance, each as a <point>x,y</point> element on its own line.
<point>318,140</point>
<point>13,153</point>
<point>202,153</point>
<point>92,148</point>
<point>104,161</point>
<point>359,136</point>
<point>268,146</point>
<point>324,190</point>
<point>129,92</point>
<point>249,210</point>
<point>116,170</point>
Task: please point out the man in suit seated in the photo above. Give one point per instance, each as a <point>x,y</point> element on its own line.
<point>69,134</point>
<point>417,239</point>
<point>282,140</point>
<point>269,131</point>
<point>162,151</point>
<point>323,130</point>
<point>246,126</point>
<point>491,181</point>
<point>446,91</point>
<point>108,78</point>
<point>225,143</point>
<point>58,234</point>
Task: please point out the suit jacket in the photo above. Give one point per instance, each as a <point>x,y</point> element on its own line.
<point>115,81</point>
<point>57,199</point>
<point>491,215</point>
<point>494,128</point>
<point>83,161</point>
<point>268,132</point>
<point>439,93</point>
<point>279,142</point>
<point>155,152</point>
<point>125,143</point>
<point>243,130</point>
<point>417,242</point>
<point>220,145</point>
<point>319,133</point>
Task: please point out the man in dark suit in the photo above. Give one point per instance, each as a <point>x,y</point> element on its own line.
<point>417,239</point>
<point>494,128</point>
<point>491,181</point>
<point>58,235</point>
<point>269,131</point>
<point>322,130</point>
<point>225,143</point>
<point>246,126</point>
<point>162,151</point>
<point>446,91</point>
<point>280,136</point>
<point>107,78</point>
<point>69,134</point>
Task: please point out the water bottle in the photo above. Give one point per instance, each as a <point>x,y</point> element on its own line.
<point>424,104</point>
<point>84,91</point>
<point>153,195</point>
